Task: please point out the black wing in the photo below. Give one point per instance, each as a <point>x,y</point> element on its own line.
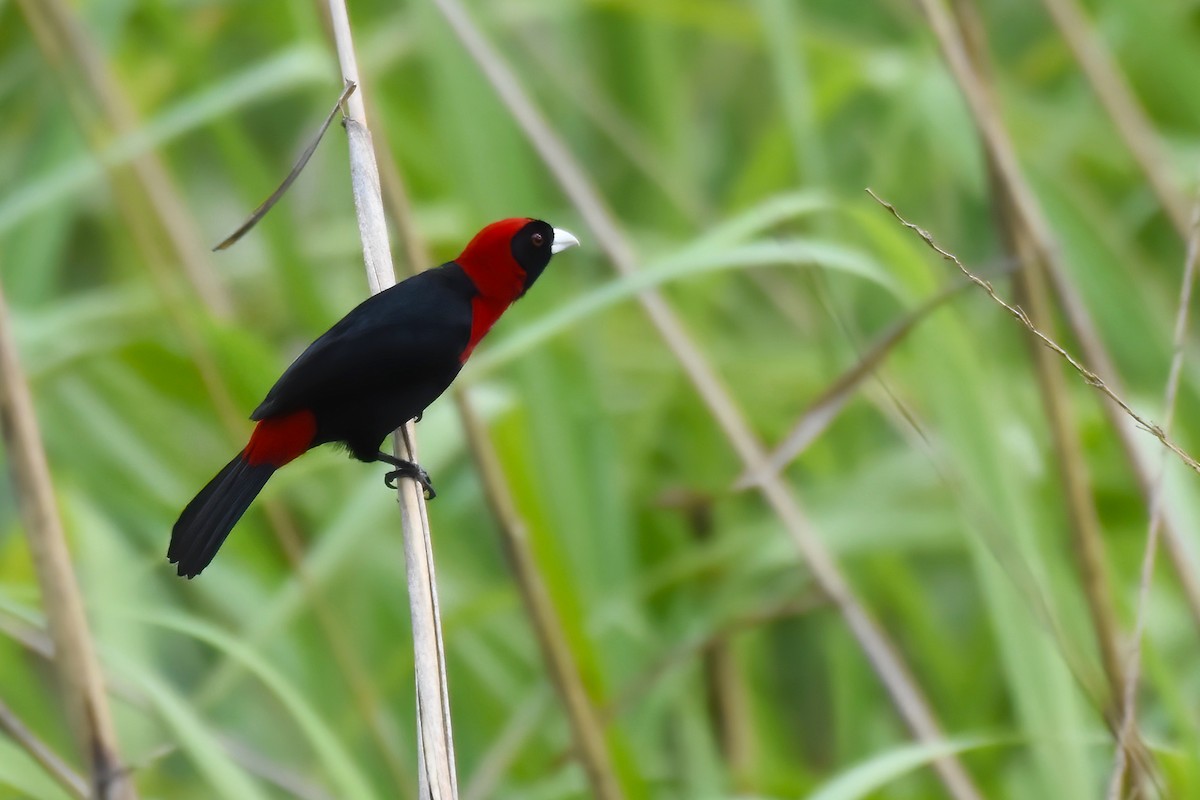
<point>421,324</point>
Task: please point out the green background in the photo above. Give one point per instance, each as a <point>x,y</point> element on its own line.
<point>732,141</point>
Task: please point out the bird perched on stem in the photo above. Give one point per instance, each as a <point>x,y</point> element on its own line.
<point>372,372</point>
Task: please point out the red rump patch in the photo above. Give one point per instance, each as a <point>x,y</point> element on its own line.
<point>279,440</point>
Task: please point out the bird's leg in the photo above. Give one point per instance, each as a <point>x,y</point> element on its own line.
<point>406,469</point>
<point>420,415</point>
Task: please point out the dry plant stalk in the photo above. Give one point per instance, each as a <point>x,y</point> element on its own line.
<point>584,718</point>
<point>74,656</point>
<point>1128,717</point>
<point>437,775</point>
<point>1089,377</point>
<point>1002,153</point>
<point>586,727</point>
<point>884,658</point>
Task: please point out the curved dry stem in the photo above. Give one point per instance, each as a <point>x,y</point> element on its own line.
<point>437,776</point>
<point>881,653</point>
<point>266,205</point>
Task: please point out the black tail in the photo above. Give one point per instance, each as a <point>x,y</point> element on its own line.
<point>208,519</point>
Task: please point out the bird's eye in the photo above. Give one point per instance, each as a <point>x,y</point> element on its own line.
<point>537,239</point>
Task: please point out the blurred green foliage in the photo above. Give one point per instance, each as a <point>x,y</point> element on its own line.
<point>686,115</point>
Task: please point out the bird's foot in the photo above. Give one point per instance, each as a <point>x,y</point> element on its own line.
<point>407,469</point>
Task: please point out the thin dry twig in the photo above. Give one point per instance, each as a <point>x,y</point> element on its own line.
<point>1133,668</point>
<point>1091,378</point>
<point>40,752</point>
<point>266,205</point>
<point>907,696</point>
<point>79,672</point>
<point>437,776</point>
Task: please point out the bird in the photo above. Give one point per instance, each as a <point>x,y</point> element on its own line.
<point>377,368</point>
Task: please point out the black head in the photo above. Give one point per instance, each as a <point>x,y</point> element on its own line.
<point>533,245</point>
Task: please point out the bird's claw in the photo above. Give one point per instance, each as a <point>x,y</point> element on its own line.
<point>414,471</point>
